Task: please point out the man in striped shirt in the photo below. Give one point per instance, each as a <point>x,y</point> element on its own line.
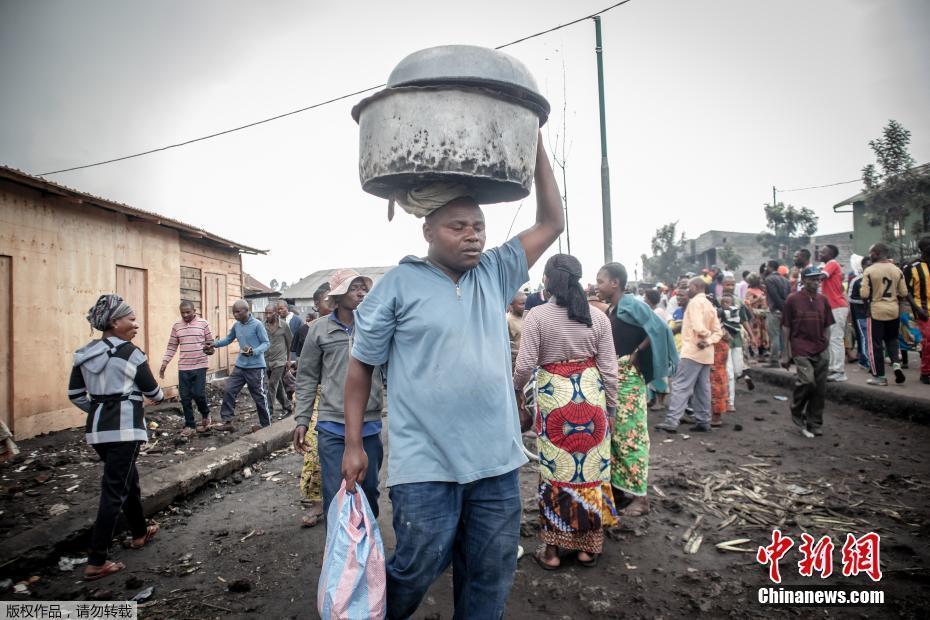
<point>188,337</point>
<point>917,278</point>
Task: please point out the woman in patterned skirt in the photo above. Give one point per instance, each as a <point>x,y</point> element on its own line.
<point>646,349</point>
<point>576,382</point>
<point>756,301</point>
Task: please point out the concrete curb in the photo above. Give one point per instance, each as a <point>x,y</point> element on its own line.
<point>886,403</point>
<point>59,534</point>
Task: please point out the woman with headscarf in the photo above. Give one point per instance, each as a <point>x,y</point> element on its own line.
<point>757,304</point>
<point>645,347</point>
<point>570,349</point>
<point>109,379</point>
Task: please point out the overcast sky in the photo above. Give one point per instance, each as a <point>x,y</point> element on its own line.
<point>709,104</point>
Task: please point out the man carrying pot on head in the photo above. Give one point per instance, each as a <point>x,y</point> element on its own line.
<point>454,433</point>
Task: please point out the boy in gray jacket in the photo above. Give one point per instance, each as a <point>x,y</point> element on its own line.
<point>324,361</point>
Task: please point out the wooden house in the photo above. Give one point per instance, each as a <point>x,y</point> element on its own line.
<point>59,250</point>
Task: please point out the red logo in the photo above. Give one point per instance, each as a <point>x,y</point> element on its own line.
<point>861,555</point>
<point>817,557</point>
<point>773,553</point>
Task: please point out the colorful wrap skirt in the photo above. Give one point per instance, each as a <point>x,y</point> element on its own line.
<point>719,379</point>
<point>573,440</point>
<point>629,453</point>
<point>310,482</point>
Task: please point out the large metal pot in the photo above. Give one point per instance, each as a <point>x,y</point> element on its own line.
<point>455,113</point>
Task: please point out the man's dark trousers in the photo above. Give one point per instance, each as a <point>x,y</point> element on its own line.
<point>810,389</point>
<point>255,379</point>
<point>192,388</point>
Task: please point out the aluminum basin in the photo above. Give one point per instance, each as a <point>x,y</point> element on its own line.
<point>413,135</point>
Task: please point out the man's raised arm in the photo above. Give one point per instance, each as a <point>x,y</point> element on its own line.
<point>550,220</point>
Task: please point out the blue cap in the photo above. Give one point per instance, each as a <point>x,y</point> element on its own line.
<point>813,272</point>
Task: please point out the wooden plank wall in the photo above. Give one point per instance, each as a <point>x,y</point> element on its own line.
<point>210,259</point>
<point>63,256</point>
<point>192,287</point>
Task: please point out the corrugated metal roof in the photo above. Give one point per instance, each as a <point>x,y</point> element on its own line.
<point>254,287</point>
<point>305,287</point>
<point>79,197</point>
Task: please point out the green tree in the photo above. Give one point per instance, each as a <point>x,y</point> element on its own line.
<point>669,257</point>
<point>789,228</point>
<point>729,257</point>
<point>895,190</point>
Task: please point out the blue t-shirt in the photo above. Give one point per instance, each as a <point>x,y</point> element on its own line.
<point>450,389</point>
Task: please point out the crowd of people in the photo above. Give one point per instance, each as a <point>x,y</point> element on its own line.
<point>472,365</point>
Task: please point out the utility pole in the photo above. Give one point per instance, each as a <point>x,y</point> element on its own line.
<point>605,167</point>
<point>773,196</point>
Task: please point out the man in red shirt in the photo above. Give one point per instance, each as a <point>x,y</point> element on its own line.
<point>833,291</point>
<point>807,319</point>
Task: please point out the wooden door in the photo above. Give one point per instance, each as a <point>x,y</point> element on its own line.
<point>6,341</point>
<point>215,308</point>
<point>132,286</point>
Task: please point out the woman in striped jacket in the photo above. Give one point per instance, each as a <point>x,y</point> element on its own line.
<point>109,379</point>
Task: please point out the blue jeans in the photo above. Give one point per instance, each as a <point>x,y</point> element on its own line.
<point>330,448</point>
<point>475,527</point>
<point>192,386</point>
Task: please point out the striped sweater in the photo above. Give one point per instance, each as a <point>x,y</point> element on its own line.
<point>188,340</point>
<point>108,381</point>
<point>550,336</point>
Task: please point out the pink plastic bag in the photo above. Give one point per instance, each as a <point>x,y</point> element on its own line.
<point>352,582</point>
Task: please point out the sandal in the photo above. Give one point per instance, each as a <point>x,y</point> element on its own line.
<point>150,532</point>
<point>108,568</point>
<point>538,556</point>
<point>204,425</point>
<point>589,563</point>
<point>311,520</point>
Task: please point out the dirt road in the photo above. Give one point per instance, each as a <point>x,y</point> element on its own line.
<point>867,473</point>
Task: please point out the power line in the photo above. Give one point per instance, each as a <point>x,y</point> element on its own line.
<point>309,107</point>
<point>801,189</point>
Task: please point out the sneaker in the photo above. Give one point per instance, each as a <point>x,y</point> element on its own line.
<point>837,378</point>
<point>807,433</point>
<point>227,427</point>
<point>668,427</point>
<point>882,381</point>
<point>898,374</point>
<point>818,432</point>
<point>701,427</point>
<point>925,379</point>
<point>749,383</point>
<point>688,419</point>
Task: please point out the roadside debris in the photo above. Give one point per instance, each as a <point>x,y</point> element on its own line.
<point>143,595</point>
<point>68,564</point>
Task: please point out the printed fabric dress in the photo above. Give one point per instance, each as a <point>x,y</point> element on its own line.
<point>719,379</point>
<point>756,302</point>
<point>630,436</point>
<point>310,483</point>
<point>573,442</point>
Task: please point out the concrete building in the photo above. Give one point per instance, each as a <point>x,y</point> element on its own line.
<point>59,250</point>
<point>704,250</point>
<point>866,233</point>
